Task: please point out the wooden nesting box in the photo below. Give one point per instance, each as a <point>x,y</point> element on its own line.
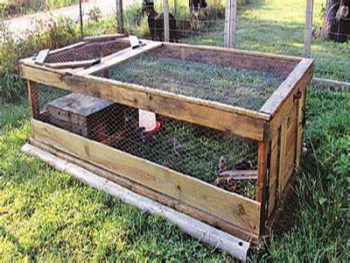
<point>275,122</point>
<point>79,113</point>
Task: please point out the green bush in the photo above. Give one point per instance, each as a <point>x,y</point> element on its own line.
<point>50,34</point>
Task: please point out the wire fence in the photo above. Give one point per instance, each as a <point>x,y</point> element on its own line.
<point>272,26</point>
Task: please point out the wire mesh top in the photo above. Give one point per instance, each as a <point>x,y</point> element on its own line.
<point>89,51</point>
<point>235,79</point>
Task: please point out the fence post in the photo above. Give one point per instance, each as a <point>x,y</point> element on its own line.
<point>166,20</point>
<point>81,19</point>
<point>308,28</point>
<point>120,17</point>
<point>230,23</point>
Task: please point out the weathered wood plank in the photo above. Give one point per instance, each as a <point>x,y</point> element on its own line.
<point>33,95</point>
<point>208,114</point>
<point>120,57</point>
<point>231,207</point>
<point>73,64</point>
<point>102,37</point>
<point>144,191</point>
<point>273,179</point>
<point>263,173</point>
<point>282,155</point>
<point>237,51</point>
<point>300,128</point>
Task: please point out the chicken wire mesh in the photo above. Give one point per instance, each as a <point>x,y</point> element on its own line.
<point>231,78</point>
<point>89,51</point>
<point>193,150</point>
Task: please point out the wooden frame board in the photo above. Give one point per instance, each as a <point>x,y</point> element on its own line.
<point>235,209</point>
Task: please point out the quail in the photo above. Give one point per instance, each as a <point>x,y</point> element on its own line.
<point>222,164</point>
<point>178,149</point>
<point>220,182</point>
<point>243,164</point>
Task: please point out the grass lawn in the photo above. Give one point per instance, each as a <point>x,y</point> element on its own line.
<point>46,215</point>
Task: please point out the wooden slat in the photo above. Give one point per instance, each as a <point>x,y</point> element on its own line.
<point>33,96</point>
<point>299,74</point>
<point>120,57</point>
<point>208,114</point>
<point>237,51</point>
<point>73,64</point>
<point>161,198</point>
<point>230,207</point>
<point>300,128</point>
<point>262,191</point>
<point>282,154</point>
<point>102,37</point>
<point>273,180</point>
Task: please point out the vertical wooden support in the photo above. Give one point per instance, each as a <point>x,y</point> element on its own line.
<point>263,174</point>
<point>308,28</point>
<point>166,21</point>
<point>230,23</point>
<point>81,19</point>
<point>33,95</point>
<point>120,16</point>
<point>300,129</point>
<point>282,162</point>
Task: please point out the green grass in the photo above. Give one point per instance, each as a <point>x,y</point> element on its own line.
<point>46,215</point>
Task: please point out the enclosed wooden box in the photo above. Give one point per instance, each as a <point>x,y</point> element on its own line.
<point>265,105</point>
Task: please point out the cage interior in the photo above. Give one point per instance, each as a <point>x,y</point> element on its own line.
<point>227,77</point>
<point>184,147</point>
<point>89,51</point>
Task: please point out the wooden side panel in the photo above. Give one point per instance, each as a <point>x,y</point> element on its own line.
<point>243,124</point>
<point>230,207</point>
<point>274,172</point>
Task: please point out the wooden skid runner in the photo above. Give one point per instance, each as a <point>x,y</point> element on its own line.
<point>234,246</point>
<point>235,209</point>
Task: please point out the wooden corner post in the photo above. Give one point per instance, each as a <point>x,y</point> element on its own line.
<point>230,23</point>
<point>166,21</point>
<point>308,28</point>
<point>33,95</point>
<point>264,159</point>
<point>120,17</point>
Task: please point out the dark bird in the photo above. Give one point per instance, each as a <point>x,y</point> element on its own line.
<point>222,164</point>
<point>220,182</point>
<point>156,23</point>
<point>178,149</point>
<point>231,184</point>
<point>342,12</point>
<point>243,164</point>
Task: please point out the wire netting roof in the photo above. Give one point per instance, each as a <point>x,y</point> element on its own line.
<point>89,51</point>
<point>234,79</point>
